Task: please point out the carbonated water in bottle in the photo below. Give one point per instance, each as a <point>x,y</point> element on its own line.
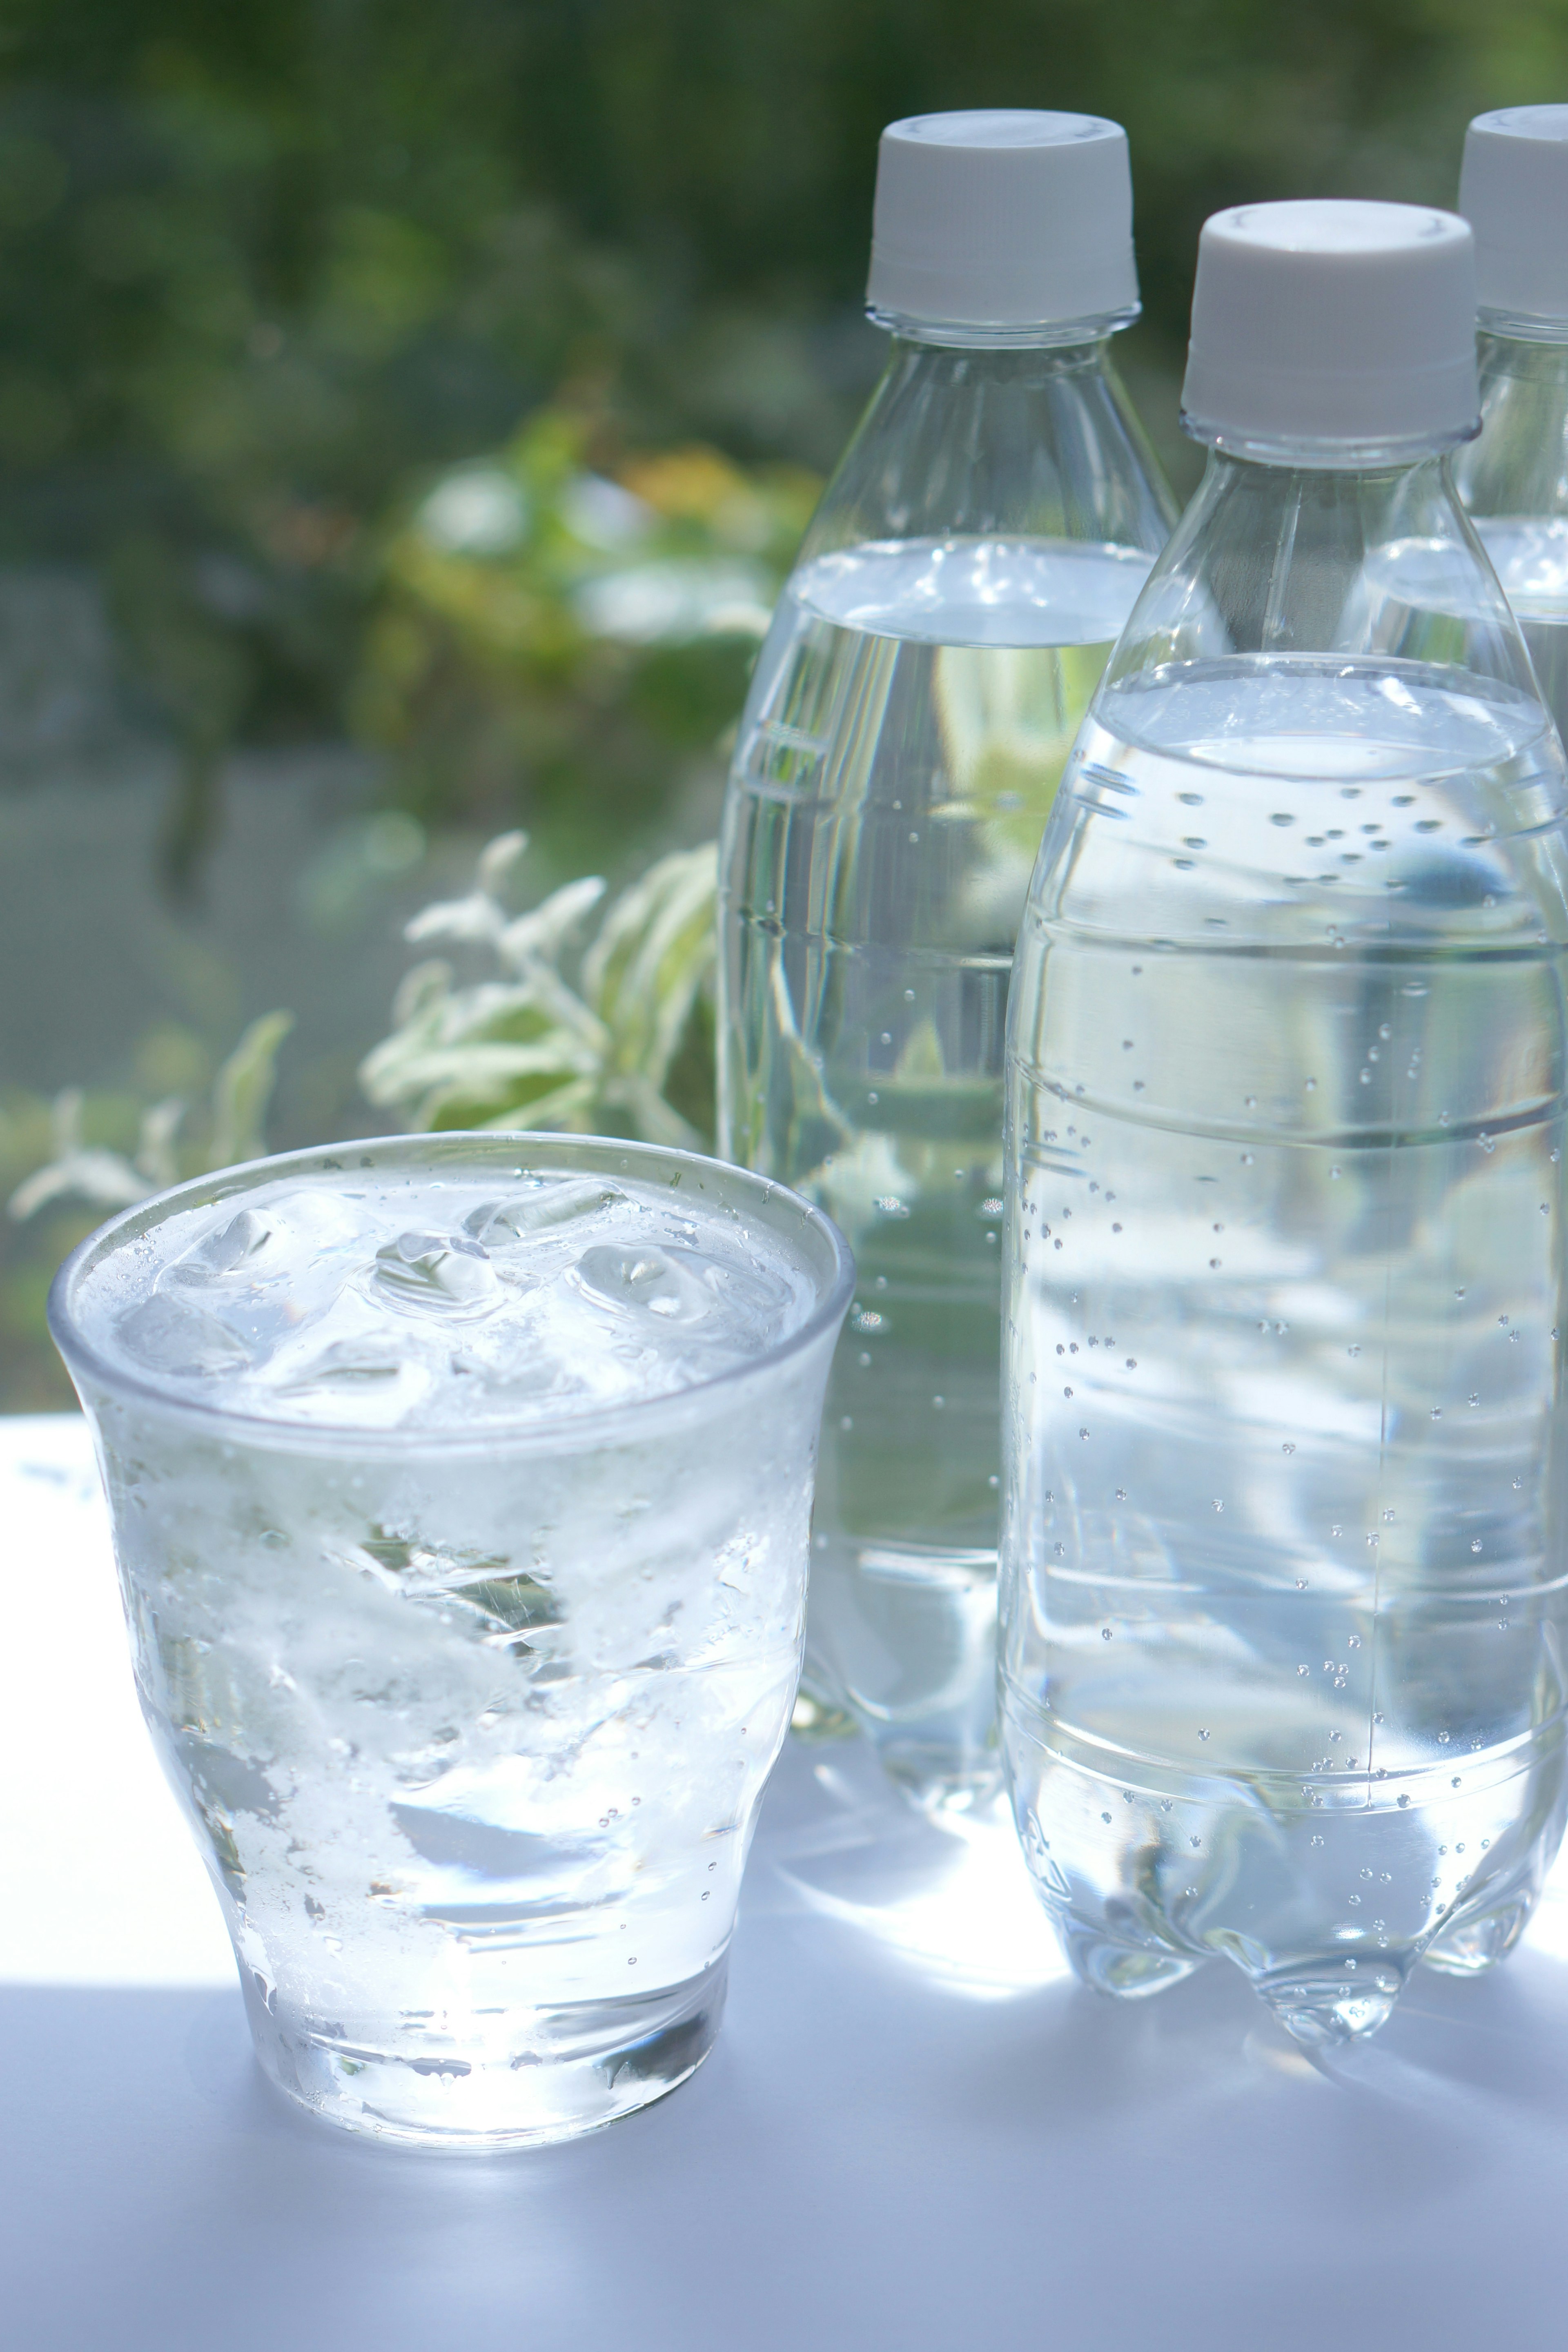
<point>969,569</point>
<point>1281,1592</point>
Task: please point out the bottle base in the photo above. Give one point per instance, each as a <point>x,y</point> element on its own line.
<point>1472,1946</point>
<point>1326,1895</point>
<point>1126,1971</point>
<point>901,1644</point>
<point>936,1780</point>
<point>1323,2011</point>
<point>816,1719</point>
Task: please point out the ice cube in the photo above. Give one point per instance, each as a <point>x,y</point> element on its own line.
<point>646,1281</point>
<point>436,1273</point>
<point>222,1251</point>
<point>353,1380</point>
<point>167,1336</point>
<point>543,1209</point>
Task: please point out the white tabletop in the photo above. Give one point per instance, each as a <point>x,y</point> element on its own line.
<point>915,2130</point>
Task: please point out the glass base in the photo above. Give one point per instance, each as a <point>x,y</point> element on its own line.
<point>553,2075</point>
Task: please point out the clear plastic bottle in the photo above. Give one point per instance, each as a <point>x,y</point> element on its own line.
<point>969,569</point>
<point>1282,1605</point>
<point>1513,477</point>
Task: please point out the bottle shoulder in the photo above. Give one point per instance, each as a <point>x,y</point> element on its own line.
<point>996,444</point>
<point>1317,715</point>
<point>1287,806</point>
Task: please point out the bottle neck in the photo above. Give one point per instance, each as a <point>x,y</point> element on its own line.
<point>1532,336</point>
<point>1291,559</point>
<point>1519,466</point>
<point>1059,334</point>
<point>1031,440</point>
<point>1348,481</point>
<point>1310,454</point>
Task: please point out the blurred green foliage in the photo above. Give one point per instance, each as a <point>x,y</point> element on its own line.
<point>611,1036</point>
<point>265,267</point>
<point>453,379</point>
<point>67,1164</point>
<point>543,624</point>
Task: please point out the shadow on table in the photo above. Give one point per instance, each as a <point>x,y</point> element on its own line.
<point>897,2142</point>
<point>865,2159</point>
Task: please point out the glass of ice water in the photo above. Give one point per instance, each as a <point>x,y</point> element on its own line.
<point>461,1487</point>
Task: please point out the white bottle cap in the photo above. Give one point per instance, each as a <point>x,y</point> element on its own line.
<point>996,219</point>
<point>1514,191</point>
<point>1347,324</point>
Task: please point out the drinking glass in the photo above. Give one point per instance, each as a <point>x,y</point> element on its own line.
<point>470,1708</point>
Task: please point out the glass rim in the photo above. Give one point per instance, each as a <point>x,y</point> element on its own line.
<point>551,1432</point>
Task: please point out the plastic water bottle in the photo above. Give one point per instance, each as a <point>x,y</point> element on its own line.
<point>1282,1608</point>
<point>1513,477</point>
<point>969,569</point>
